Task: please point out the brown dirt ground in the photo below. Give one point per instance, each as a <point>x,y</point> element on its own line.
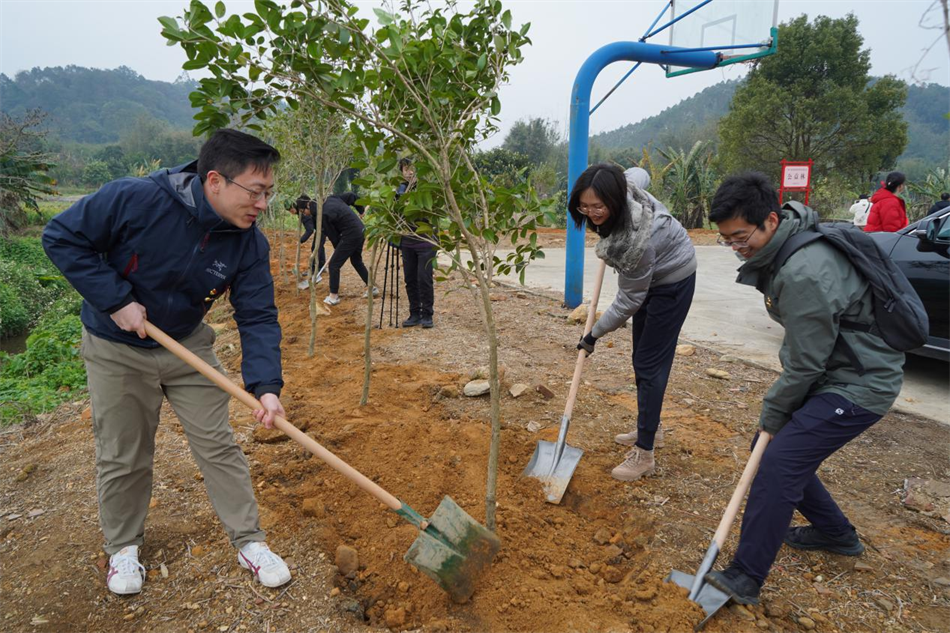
<point>596,562</point>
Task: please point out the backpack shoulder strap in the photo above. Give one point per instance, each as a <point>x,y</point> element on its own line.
<point>792,244</point>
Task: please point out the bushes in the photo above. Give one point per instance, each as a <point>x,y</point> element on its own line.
<point>49,372</point>
<point>29,283</point>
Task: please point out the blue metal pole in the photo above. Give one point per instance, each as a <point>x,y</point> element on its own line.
<point>580,130</point>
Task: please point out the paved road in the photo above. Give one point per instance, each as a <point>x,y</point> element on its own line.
<point>731,318</point>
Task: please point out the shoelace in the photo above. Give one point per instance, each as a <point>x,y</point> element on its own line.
<point>632,457</point>
<point>262,557</point>
<point>125,564</point>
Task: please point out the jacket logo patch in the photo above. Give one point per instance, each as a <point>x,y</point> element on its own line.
<point>215,273</point>
<point>219,265</point>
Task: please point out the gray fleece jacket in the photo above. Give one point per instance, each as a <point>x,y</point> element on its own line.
<point>666,258</point>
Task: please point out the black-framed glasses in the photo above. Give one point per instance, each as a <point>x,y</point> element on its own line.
<point>736,243</point>
<point>583,209</point>
<point>255,196</point>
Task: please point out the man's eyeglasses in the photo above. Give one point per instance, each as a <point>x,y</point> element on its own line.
<point>583,209</point>
<point>736,243</point>
<point>255,196</point>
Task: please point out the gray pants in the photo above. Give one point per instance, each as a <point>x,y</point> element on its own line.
<point>126,386</point>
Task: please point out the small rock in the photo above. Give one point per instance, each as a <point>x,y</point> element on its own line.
<point>557,571</point>
<point>942,581</point>
<point>602,536</point>
<point>613,551</point>
<point>579,314</point>
<point>776,611</point>
<point>862,566</point>
<point>763,624</point>
<point>403,586</point>
<point>611,574</point>
<point>685,350</point>
<point>164,570</point>
<point>86,414</point>
<point>575,563</point>
<point>885,604</point>
<point>395,618</point>
<point>742,612</point>
<point>314,508</point>
<point>197,551</point>
<point>269,436</point>
<point>533,426</point>
<point>595,567</point>
<point>477,388</point>
<point>518,389</point>
<point>347,559</point>
<point>334,592</point>
<point>718,373</point>
<point>35,513</point>
<point>449,391</point>
<point>729,359</point>
<point>806,623</point>
<point>546,393</point>
<point>391,522</point>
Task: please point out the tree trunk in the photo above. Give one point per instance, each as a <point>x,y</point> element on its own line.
<point>297,255</point>
<point>367,358</point>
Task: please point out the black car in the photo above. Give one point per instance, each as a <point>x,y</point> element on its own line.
<point>921,252</point>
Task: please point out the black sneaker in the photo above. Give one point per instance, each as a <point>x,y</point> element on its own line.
<point>736,584</point>
<point>810,537</point>
<point>412,321</point>
<point>427,322</point>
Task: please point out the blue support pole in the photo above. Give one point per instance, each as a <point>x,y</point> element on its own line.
<point>580,131</point>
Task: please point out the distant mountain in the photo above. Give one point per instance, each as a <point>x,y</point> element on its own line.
<point>90,105</point>
<point>696,118</point>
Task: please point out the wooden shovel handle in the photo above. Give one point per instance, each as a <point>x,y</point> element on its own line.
<point>582,354</point>
<point>744,482</point>
<point>289,429</point>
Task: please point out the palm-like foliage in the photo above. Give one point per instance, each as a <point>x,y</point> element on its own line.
<point>23,167</point>
<point>689,182</point>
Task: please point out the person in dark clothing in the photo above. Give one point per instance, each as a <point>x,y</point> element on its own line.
<point>943,203</point>
<point>341,222</point>
<point>306,208</point>
<point>418,259</point>
<point>836,382</point>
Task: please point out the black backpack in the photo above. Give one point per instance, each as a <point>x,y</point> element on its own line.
<point>899,315</point>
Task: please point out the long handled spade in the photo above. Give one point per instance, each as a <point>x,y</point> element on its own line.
<point>700,592</point>
<point>452,548</point>
<point>554,463</point>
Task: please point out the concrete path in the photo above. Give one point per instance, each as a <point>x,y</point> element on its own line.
<point>731,319</point>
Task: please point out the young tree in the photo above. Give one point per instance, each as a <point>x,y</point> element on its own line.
<point>24,164</point>
<point>813,99</point>
<point>425,81</point>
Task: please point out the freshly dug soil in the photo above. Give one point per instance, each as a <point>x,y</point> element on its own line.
<point>595,562</point>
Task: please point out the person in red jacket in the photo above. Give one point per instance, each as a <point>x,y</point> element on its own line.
<point>888,212</point>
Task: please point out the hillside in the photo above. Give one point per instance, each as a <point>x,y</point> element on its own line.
<point>695,119</point>
<point>91,105</point>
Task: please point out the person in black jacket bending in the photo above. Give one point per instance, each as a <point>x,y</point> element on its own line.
<point>341,223</point>
<point>306,207</point>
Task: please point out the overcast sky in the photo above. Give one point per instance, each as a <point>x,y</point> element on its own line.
<point>107,34</point>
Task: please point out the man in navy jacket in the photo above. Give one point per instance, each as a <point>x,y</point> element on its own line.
<point>164,248</point>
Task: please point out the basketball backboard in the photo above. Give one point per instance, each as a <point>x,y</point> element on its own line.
<point>739,30</point>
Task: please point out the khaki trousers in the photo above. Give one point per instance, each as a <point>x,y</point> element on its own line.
<point>126,386</point>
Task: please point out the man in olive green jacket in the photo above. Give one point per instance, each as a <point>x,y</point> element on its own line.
<point>835,382</point>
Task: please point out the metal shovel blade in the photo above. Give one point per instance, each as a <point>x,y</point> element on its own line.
<point>453,550</point>
<point>709,598</point>
<point>554,471</point>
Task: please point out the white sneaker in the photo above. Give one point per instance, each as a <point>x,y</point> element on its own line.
<point>330,301</point>
<point>375,292</point>
<point>126,573</point>
<point>303,285</point>
<point>269,568</point>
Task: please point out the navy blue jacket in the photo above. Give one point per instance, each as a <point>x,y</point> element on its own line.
<point>158,241</point>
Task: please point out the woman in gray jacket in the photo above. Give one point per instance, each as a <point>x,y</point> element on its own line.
<point>656,263</point>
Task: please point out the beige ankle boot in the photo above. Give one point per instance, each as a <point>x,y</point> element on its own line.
<point>638,463</point>
<point>629,439</point>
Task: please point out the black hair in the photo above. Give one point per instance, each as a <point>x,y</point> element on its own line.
<point>749,195</point>
<point>610,185</point>
<point>405,162</point>
<point>863,196</point>
<point>894,180</point>
<point>945,196</point>
<point>230,153</point>
<point>306,202</point>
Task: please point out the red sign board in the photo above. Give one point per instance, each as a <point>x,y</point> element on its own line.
<point>796,176</point>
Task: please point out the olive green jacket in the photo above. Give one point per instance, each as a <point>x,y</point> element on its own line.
<point>815,289</point>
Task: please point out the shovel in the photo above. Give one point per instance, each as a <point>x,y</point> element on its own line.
<point>700,592</point>
<point>452,548</point>
<point>303,285</point>
<point>554,463</point>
